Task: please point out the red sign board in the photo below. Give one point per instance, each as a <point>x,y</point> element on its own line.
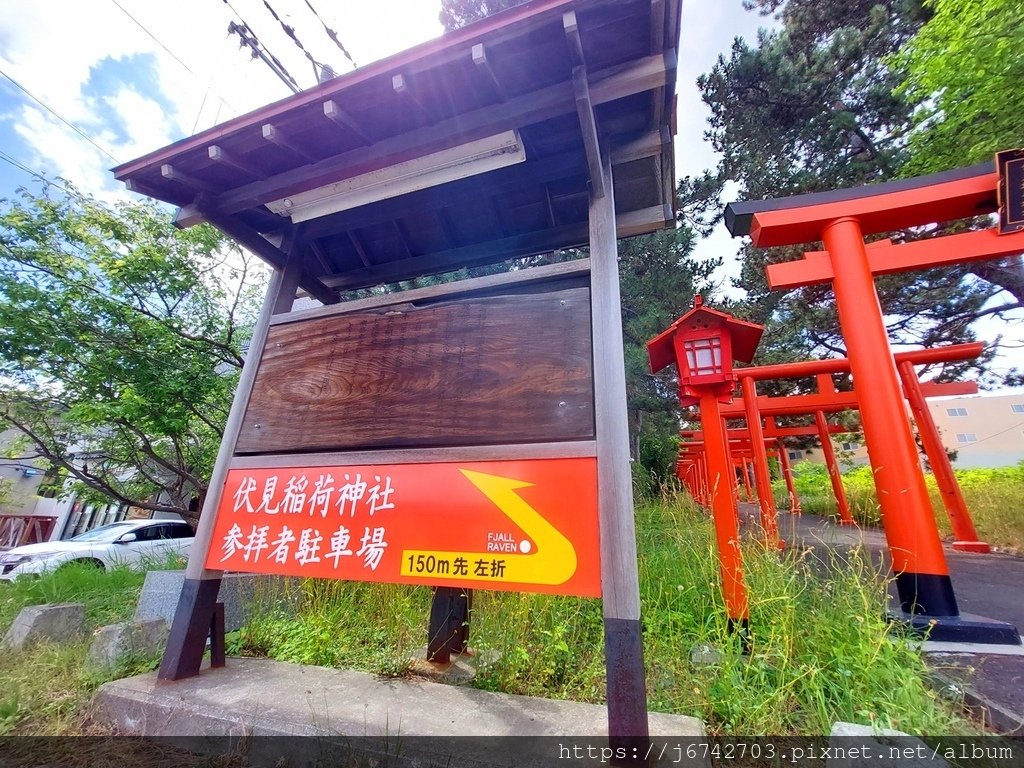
<point>525,526</point>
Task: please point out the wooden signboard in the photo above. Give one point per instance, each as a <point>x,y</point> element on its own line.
<point>527,526</point>
<point>1010,166</point>
<point>359,455</point>
<point>474,370</point>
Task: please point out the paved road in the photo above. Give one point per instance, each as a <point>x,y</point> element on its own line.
<point>986,585</point>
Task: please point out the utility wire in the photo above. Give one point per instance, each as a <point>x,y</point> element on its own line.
<point>54,112</point>
<point>174,56</point>
<point>249,38</point>
<point>332,34</point>
<point>155,38</point>
<point>21,166</point>
<point>290,31</point>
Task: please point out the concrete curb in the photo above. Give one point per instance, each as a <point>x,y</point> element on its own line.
<point>258,697</point>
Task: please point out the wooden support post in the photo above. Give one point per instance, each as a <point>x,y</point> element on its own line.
<point>194,614</point>
<point>762,476</point>
<point>448,631</point>
<point>964,534</point>
<point>218,649</point>
<point>834,475</point>
<point>620,585</point>
<point>588,127</point>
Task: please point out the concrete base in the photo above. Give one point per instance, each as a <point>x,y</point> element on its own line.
<point>978,547</point>
<point>236,701</point>
<point>965,628</point>
<point>117,642</point>
<point>960,649</point>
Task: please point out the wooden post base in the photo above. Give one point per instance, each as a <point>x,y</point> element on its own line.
<point>628,733</point>
<point>194,620</point>
<point>449,623</point>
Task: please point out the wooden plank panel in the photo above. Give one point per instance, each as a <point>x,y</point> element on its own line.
<point>503,281</point>
<point>567,450</point>
<point>475,371</point>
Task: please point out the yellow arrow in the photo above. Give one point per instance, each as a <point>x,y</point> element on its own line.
<point>553,562</point>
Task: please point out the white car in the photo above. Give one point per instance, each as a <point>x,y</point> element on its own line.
<point>137,543</point>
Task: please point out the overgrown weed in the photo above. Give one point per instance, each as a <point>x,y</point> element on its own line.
<point>46,687</point>
<point>820,647</point>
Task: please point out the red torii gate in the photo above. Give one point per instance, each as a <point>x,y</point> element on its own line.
<point>841,219</point>
<point>691,452</point>
<point>831,401</point>
<point>740,445</point>
<point>828,400</point>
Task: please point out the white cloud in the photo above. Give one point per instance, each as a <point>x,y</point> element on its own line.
<point>63,152</point>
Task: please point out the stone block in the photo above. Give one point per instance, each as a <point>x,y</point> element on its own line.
<point>861,746</point>
<point>242,595</point>
<point>116,642</point>
<point>705,656</point>
<point>59,623</point>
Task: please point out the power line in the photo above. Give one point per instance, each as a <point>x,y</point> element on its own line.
<point>54,112</point>
<point>258,50</point>
<point>290,31</point>
<point>21,166</point>
<point>249,38</point>
<point>155,38</point>
<point>332,34</point>
<point>174,56</point>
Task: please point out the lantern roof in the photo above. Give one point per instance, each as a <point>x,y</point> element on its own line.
<point>745,336</point>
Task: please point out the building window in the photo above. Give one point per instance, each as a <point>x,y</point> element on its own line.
<point>1017,407</point>
<point>966,437</point>
<point>956,411</point>
<point>848,446</point>
<point>794,455</point>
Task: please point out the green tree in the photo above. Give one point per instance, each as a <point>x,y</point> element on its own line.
<point>119,343</point>
<point>659,279</point>
<point>964,70</point>
<point>814,105</point>
<point>459,13</point>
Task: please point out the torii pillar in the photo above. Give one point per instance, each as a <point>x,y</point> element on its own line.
<point>841,219</point>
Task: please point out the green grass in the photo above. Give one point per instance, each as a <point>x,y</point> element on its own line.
<point>45,689</point>
<point>995,498</point>
<point>821,650</point>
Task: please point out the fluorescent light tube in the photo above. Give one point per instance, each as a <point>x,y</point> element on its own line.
<point>470,159</point>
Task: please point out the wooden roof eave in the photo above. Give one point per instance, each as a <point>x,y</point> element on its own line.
<point>238,209</point>
<point>512,22</point>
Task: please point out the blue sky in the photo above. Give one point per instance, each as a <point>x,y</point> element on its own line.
<point>134,75</point>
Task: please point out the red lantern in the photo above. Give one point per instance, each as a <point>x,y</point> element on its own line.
<point>704,343</point>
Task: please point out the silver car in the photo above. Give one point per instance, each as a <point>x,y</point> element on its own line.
<point>135,543</point>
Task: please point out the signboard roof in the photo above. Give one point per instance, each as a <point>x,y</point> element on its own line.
<point>521,73</point>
